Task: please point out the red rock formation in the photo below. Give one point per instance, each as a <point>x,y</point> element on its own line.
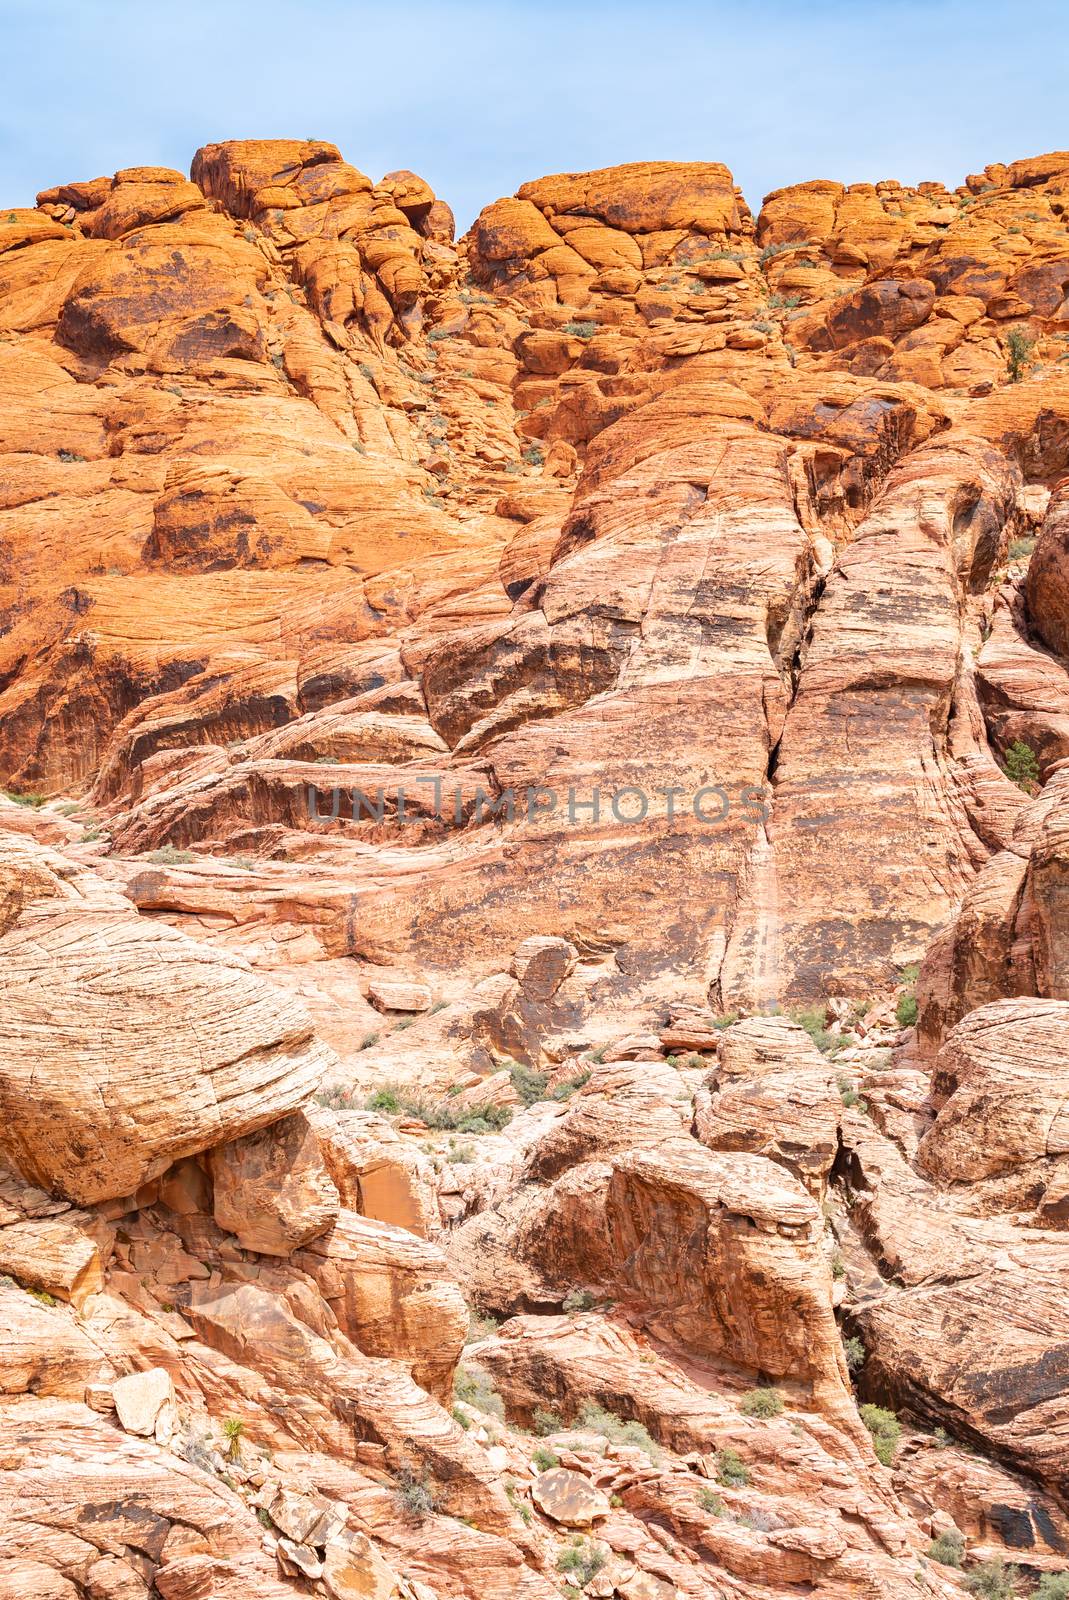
<point>445,682</point>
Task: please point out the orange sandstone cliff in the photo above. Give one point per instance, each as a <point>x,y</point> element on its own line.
<point>532,1051</point>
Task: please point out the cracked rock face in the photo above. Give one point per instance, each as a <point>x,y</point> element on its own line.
<point>534,972</point>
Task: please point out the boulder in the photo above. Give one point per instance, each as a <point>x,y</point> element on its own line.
<point>127,1045</point>
<point>272,1189</point>
<point>569,1498</point>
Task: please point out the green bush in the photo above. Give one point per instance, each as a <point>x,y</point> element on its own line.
<point>710,1501</point>
<point>529,1085</point>
<point>761,1403</point>
<point>564,1091</point>
<point>474,1389</point>
<point>577,1300</point>
<point>1021,766</point>
<point>580,1561</point>
<point>1052,1586</point>
<point>596,1419</point>
<point>813,1023</point>
<point>384,1100</point>
<point>948,1549</point>
<point>546,1422</point>
<point>885,1430</point>
<point>855,1353</point>
<point>580,330</point>
<point>1021,549</point>
<point>731,1469</point>
<point>906,1010</point>
<point>545,1460</point>
<point>169,856</point>
<point>993,1579</point>
<point>1019,347</point>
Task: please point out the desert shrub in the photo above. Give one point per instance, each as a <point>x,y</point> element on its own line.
<point>906,1010</point>
<point>855,1353</point>
<point>385,1100</point>
<point>1021,549</point>
<point>616,1429</point>
<point>474,1389</point>
<point>581,330</point>
<point>813,1023</point>
<point>731,1469</point>
<point>460,1417</point>
<point>1019,347</point>
<point>993,1579</point>
<point>528,1084</point>
<point>169,856</point>
<point>533,456</point>
<point>838,1268</point>
<point>1021,766</point>
<point>849,1095</point>
<point>564,1091</point>
<point>414,1496</point>
<point>335,1098</point>
<point>1052,1586</point>
<point>710,1501</point>
<point>580,1561</point>
<point>460,1155</point>
<point>519,1505</point>
<point>233,1432</point>
<point>34,800</point>
<point>546,1422</point>
<point>948,1549</point>
<point>545,1459</point>
<point>761,1403</point>
<point>480,1326</point>
<point>577,1300</point>
<point>367,1042</point>
<point>885,1430</point>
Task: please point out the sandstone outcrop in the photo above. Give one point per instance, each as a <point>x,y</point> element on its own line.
<point>491,729</point>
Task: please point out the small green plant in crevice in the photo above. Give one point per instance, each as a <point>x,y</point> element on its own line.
<point>585,329</point>
<point>533,456</point>
<point>598,1055</point>
<point>544,1423</point>
<point>233,1432</point>
<point>580,1561</point>
<point>1019,347</point>
<point>1021,549</point>
<point>68,456</point>
<point>885,1430</point>
<point>577,1300</point>
<point>529,1085</point>
<point>994,1580</point>
<point>855,1353</point>
<point>618,1430</point>
<point>169,856</point>
<point>849,1095</point>
<point>460,1417</point>
<point>263,1517</point>
<point>838,1268</point>
<point>731,1470</point>
<point>710,1501</point>
<point>414,1496</point>
<point>545,1460</point>
<point>43,1297</point>
<point>474,1389</point>
<point>367,1043</point>
<point>1022,767</point>
<point>948,1549</point>
<point>518,1504</point>
<point>761,1403</point>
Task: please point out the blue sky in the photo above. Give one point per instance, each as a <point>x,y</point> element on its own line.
<point>478,97</point>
